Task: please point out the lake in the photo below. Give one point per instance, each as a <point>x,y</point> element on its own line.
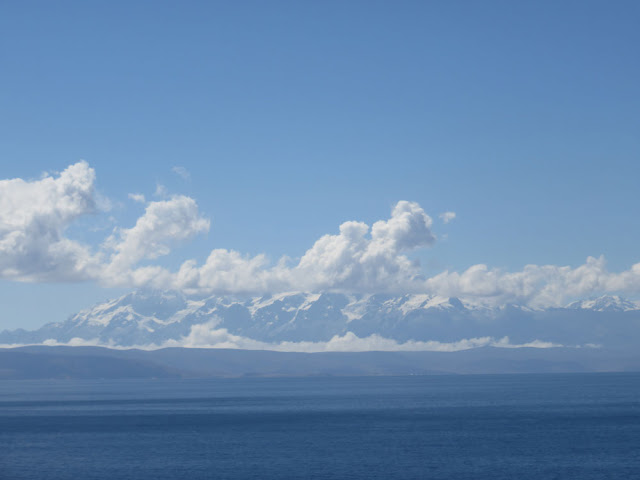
<point>552,426</point>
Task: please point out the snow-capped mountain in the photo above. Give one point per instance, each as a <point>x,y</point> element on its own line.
<point>155,318</point>
<point>607,303</point>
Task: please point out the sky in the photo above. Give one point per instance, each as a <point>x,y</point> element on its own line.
<point>137,136</point>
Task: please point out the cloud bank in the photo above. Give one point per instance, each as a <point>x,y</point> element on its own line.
<point>208,336</point>
<point>34,246</point>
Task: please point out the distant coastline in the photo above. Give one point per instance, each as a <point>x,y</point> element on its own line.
<point>59,362</point>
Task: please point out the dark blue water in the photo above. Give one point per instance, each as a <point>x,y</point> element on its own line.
<point>449,427</point>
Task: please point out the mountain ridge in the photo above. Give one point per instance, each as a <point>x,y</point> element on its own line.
<point>161,318</point>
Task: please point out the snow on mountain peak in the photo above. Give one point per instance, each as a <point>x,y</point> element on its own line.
<point>605,303</point>
<point>154,318</point>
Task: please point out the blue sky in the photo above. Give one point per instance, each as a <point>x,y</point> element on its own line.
<point>294,117</point>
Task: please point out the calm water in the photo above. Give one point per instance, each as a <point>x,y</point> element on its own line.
<point>467,427</point>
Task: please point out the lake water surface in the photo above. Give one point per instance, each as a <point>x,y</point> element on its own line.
<point>578,426</point>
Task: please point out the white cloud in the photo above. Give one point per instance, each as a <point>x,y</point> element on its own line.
<point>358,258</point>
<point>34,216</point>
<point>344,262</point>
<point>137,197</point>
<point>163,224</point>
<point>33,219</point>
<point>536,285</point>
<point>77,342</point>
<point>182,172</point>
<point>447,217</point>
<point>340,263</point>
<point>228,271</point>
<point>208,336</point>
<point>356,261</point>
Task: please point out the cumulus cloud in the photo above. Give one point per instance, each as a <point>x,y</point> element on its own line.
<point>447,217</point>
<point>228,271</point>
<point>536,285</point>
<point>340,263</point>
<point>358,258</point>
<point>33,218</point>
<point>359,261</point>
<point>163,224</point>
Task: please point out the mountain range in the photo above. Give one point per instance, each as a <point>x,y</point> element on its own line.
<point>156,319</point>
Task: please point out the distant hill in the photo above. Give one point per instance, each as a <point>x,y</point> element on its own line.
<point>55,363</point>
<point>41,362</point>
